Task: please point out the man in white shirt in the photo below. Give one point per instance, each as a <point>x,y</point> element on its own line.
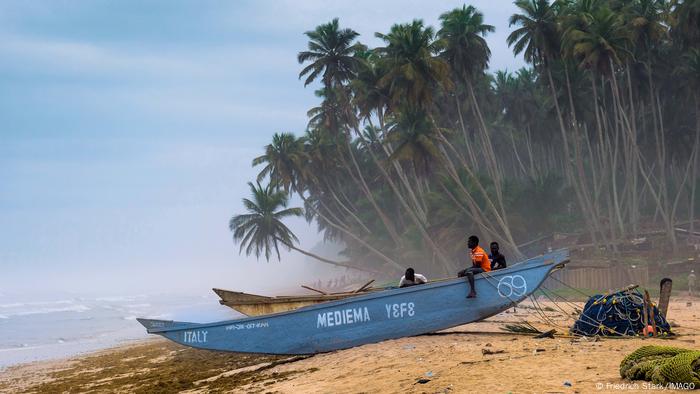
<point>411,278</point>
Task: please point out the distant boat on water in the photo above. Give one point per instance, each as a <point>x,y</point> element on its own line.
<point>367,317</point>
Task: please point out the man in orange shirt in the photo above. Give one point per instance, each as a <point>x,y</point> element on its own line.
<point>480,263</point>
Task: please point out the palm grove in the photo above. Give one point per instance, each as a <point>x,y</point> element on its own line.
<point>414,145</point>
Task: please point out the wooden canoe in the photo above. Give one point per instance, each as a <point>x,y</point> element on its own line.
<point>257,305</point>
<point>368,317</point>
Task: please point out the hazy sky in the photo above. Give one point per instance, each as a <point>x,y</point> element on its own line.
<point>128,127</point>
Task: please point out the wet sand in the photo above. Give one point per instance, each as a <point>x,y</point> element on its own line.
<point>478,357</point>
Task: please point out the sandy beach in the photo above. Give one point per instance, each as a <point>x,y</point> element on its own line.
<point>478,357</point>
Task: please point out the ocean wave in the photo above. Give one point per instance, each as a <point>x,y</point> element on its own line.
<point>35,303</point>
<point>42,311</point>
<point>137,306</point>
<point>23,346</point>
<point>120,298</point>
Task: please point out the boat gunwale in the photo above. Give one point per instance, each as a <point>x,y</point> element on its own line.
<point>297,298</point>
<point>520,266</point>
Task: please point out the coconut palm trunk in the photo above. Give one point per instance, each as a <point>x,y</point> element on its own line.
<point>325,260</point>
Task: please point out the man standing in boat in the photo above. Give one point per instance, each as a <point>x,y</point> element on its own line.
<point>480,263</point>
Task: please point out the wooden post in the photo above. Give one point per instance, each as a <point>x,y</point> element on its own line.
<point>645,316</point>
<point>652,320</point>
<point>665,296</point>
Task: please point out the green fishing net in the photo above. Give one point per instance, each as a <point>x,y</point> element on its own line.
<point>662,365</point>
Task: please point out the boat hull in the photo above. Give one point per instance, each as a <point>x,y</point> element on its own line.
<point>267,309</point>
<point>367,318</point>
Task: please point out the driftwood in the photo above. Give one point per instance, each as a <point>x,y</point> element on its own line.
<point>312,289</point>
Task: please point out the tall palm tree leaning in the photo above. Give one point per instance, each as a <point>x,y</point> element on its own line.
<point>462,36</point>
<point>538,39</point>
<point>413,69</point>
<point>466,51</point>
<point>261,231</point>
<point>284,160</point>
<point>331,53</point>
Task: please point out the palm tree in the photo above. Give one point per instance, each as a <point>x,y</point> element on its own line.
<point>686,22</point>
<point>413,69</point>
<point>647,23</point>
<point>368,95</point>
<point>537,36</point>
<point>602,44</point>
<point>462,34</point>
<point>331,52</point>
<point>383,167</point>
<point>415,138</point>
<point>261,231</point>
<point>332,113</point>
<point>465,49</point>
<point>284,161</point>
<point>689,70</point>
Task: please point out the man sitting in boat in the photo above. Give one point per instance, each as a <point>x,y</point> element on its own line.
<point>411,278</point>
<point>498,260</point>
<point>480,263</point>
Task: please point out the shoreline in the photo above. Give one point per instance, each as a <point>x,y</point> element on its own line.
<point>470,358</point>
<point>81,349</point>
<point>120,344</point>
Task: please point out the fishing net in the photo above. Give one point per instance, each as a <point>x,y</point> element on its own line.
<point>616,314</point>
<point>662,365</point>
<point>636,364</point>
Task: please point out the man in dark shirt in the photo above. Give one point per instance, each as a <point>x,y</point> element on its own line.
<point>498,261</point>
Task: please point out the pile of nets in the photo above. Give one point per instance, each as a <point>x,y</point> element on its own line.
<point>616,314</point>
<point>662,365</point>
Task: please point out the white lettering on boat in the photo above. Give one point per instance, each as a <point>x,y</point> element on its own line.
<point>342,317</point>
<point>395,311</point>
<point>512,285</point>
<point>247,326</point>
<point>195,336</point>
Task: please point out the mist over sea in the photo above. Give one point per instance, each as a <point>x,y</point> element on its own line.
<point>36,328</point>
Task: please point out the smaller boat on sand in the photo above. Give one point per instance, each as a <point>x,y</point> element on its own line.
<point>257,305</point>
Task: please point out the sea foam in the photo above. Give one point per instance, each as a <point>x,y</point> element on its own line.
<point>41,311</point>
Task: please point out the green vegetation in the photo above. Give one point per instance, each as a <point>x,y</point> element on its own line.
<point>415,145</point>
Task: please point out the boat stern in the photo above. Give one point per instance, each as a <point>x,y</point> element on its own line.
<point>154,326</point>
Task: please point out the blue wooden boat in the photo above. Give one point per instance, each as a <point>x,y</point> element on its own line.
<point>368,318</point>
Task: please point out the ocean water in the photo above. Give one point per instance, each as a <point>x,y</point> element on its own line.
<point>39,328</point>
